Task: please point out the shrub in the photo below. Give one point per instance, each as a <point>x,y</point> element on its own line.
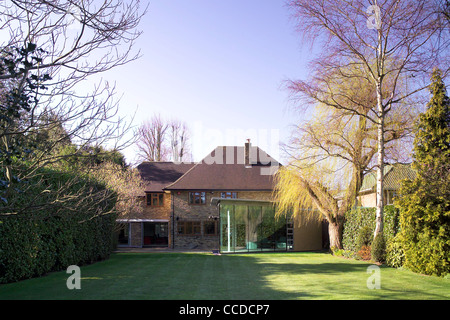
<point>364,253</point>
<point>364,237</point>
<point>40,241</point>
<point>425,201</point>
<point>350,254</point>
<point>394,253</point>
<point>379,248</point>
<point>427,255</point>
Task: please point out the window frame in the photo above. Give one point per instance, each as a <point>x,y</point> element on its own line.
<point>232,195</point>
<point>194,195</point>
<point>188,228</point>
<point>154,199</point>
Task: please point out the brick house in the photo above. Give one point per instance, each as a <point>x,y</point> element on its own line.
<point>180,206</point>
<point>393,176</point>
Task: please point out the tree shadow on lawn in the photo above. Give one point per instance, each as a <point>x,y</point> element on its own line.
<point>299,277</point>
<point>204,276</point>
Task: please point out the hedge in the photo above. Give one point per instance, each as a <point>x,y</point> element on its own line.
<point>364,218</point>
<point>41,241</point>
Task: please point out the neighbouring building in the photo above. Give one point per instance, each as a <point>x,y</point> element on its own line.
<point>220,203</point>
<point>393,176</point>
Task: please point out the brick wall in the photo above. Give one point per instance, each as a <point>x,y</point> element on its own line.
<point>158,212</point>
<point>135,234</point>
<point>150,213</point>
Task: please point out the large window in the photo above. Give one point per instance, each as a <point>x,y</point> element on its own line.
<point>197,197</point>
<point>155,199</point>
<point>189,228</point>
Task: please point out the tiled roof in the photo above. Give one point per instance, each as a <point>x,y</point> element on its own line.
<point>393,175</point>
<point>157,175</point>
<point>224,169</point>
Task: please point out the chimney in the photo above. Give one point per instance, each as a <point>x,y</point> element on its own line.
<point>247,154</point>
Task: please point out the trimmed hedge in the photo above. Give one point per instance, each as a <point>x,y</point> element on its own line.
<point>42,241</point>
<point>362,219</point>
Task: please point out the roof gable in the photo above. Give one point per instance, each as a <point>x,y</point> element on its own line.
<point>224,169</point>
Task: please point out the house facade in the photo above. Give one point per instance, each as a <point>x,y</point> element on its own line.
<point>182,207</point>
<point>393,176</point>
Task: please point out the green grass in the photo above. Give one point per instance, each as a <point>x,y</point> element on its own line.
<point>203,276</point>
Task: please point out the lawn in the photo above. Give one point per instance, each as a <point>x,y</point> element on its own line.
<point>204,276</point>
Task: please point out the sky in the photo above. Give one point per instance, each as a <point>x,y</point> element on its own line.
<point>219,66</point>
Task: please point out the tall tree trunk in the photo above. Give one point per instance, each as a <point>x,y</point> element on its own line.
<point>380,137</point>
<point>380,164</point>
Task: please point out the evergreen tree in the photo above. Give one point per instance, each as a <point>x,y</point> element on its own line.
<point>425,202</point>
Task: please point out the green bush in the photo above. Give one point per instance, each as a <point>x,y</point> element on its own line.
<point>364,218</point>
<point>428,254</point>
<point>379,248</point>
<point>425,201</point>
<point>365,236</point>
<point>40,241</point>
<point>394,253</point>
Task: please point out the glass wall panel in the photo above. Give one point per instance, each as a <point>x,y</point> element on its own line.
<point>267,228</point>
<point>253,228</point>
<point>239,238</point>
<point>280,233</point>
<point>226,217</point>
<point>123,234</point>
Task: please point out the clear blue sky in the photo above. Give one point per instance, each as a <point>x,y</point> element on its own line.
<point>219,66</point>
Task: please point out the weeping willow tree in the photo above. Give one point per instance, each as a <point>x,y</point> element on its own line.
<point>331,153</point>
<point>329,158</point>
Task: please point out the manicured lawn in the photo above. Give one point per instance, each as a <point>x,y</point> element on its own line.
<point>203,276</point>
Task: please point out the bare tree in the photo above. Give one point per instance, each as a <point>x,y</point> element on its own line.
<point>48,50</point>
<point>151,142</point>
<point>396,43</point>
<point>127,185</point>
<point>179,141</point>
<point>75,41</point>
<point>163,140</point>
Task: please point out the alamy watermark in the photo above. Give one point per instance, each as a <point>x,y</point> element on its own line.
<point>263,146</point>
<point>74,17</point>
<point>74,281</point>
<point>374,19</point>
<point>374,280</point>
